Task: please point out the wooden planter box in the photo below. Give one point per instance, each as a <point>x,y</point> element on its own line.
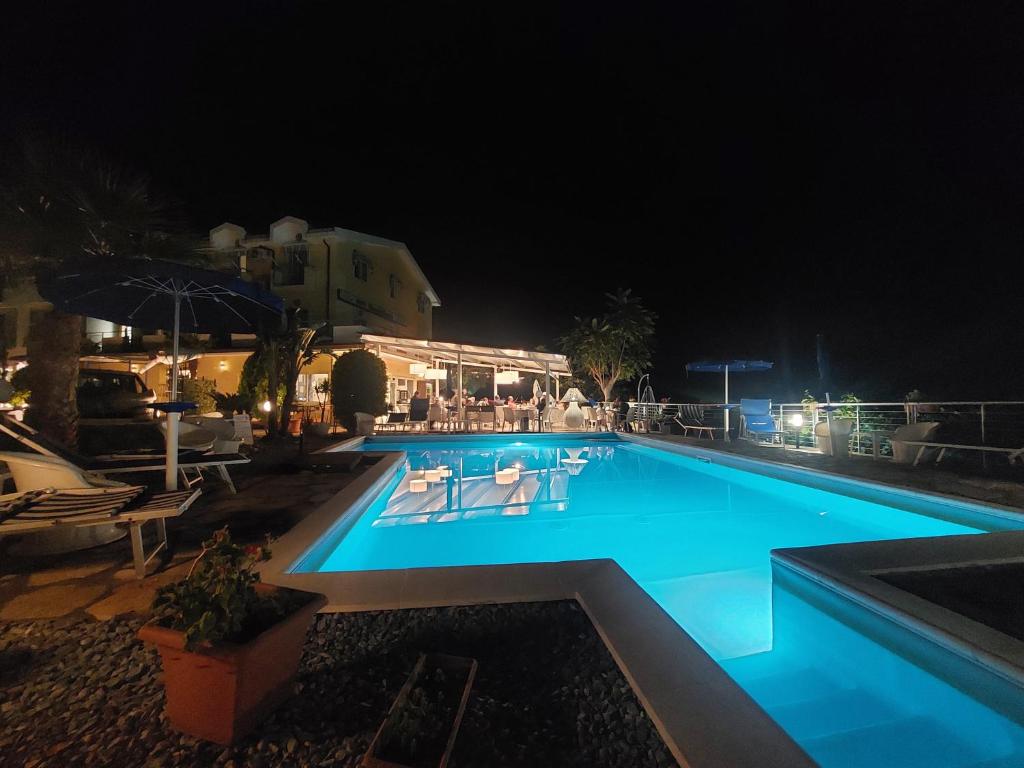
<point>458,667</point>
<point>221,691</point>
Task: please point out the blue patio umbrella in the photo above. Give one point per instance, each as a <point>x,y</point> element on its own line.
<point>154,294</point>
<point>727,367</point>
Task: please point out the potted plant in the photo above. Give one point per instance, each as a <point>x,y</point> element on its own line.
<point>420,728</point>
<point>230,646</point>
<point>321,389</point>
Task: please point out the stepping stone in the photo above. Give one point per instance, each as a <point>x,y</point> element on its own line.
<point>54,575</point>
<point>51,602</point>
<point>137,595</point>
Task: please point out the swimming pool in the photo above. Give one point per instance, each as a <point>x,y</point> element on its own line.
<point>696,536</point>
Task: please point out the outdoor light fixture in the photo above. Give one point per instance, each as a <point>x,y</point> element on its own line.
<point>223,365</point>
<point>506,377</point>
<point>417,486</point>
<point>266,406</point>
<point>796,421</point>
<point>435,372</point>
<point>573,415</point>
<point>418,369</point>
<point>432,475</point>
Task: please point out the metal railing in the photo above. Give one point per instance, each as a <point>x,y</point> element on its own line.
<point>965,422</point>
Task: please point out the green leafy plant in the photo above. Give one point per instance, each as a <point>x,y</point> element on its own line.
<point>218,600</point>
<point>202,392</point>
<point>228,404</point>
<point>322,389</point>
<point>359,383</point>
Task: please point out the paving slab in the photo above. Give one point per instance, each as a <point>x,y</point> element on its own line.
<point>51,602</point>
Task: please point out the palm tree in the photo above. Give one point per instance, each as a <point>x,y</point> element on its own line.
<point>67,209</point>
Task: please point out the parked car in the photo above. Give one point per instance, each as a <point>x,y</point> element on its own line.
<point>107,394</point>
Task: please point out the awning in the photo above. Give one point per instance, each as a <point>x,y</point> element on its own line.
<point>423,351</point>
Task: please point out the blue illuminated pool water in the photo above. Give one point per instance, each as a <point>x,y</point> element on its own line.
<point>697,536</point>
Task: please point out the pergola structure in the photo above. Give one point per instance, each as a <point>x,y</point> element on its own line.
<point>434,353</point>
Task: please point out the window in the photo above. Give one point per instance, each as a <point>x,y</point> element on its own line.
<point>8,329</point>
<point>422,302</point>
<point>394,286</point>
<point>292,270</point>
<point>360,266</point>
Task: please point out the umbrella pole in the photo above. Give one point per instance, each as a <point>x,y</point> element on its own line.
<point>171,446</point>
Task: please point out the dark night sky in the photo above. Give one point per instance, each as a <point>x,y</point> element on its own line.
<point>757,173</point>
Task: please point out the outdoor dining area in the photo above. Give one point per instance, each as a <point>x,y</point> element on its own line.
<point>449,387</point>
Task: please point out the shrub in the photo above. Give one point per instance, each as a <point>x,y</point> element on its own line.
<point>201,392</point>
<point>359,383</point>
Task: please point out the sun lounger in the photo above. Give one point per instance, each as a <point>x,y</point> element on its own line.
<point>1013,454</point>
<point>191,464</point>
<point>758,422</point>
<point>44,510</point>
<point>692,417</point>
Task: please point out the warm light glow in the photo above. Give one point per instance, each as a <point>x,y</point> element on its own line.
<point>435,373</point>
<point>432,475</point>
<point>506,377</point>
<point>796,420</point>
<point>417,486</point>
<point>223,365</point>
<point>266,406</point>
<point>417,369</point>
<point>445,473</point>
<point>505,476</point>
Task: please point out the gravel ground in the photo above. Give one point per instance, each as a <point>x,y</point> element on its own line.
<point>547,693</point>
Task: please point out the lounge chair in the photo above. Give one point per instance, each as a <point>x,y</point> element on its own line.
<point>691,416</point>
<point>46,509</point>
<point>418,413</point>
<point>758,422</point>
<point>394,420</point>
<point>911,443</point>
<point>365,423</point>
<point>191,463</point>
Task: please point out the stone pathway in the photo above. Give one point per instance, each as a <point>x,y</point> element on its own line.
<point>272,497</point>
<point>86,693</point>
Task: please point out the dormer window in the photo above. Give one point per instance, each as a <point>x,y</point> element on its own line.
<point>422,302</point>
<point>361,266</point>
<point>394,286</point>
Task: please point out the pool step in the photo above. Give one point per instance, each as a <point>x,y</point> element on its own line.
<point>790,687</point>
<point>846,710</point>
<point>911,742</point>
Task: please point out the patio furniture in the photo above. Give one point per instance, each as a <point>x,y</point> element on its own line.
<point>437,415</point>
<point>394,421</point>
<point>691,416</point>
<point>243,428</point>
<point>365,423</point>
<point>910,442</point>
<point>837,441</point>
<point>758,422</point>
<point>192,462</point>
<point>1013,454</point>
<point>47,509</point>
<point>226,439</point>
<point>192,437</point>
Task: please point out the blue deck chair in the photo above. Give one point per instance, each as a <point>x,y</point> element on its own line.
<point>757,420</point>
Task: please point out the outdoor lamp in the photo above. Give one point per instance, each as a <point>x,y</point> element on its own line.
<point>418,369</point>
<point>573,415</point>
<point>797,421</point>
<point>432,475</point>
<point>506,377</point>
<point>266,406</point>
<point>417,486</point>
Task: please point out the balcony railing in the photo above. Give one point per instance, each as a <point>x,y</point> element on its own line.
<point>996,423</point>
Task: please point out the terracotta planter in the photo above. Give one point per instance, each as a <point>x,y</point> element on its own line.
<point>220,692</point>
<point>455,666</point>
<point>295,424</point>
